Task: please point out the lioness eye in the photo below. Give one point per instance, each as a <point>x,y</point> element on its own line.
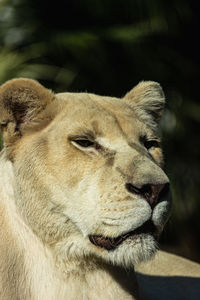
<point>151,143</point>
<point>84,143</point>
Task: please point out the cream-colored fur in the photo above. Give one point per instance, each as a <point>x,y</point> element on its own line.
<point>169,276</point>
<point>66,169</point>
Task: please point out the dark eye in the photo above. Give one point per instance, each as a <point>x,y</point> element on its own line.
<point>84,143</point>
<point>151,144</point>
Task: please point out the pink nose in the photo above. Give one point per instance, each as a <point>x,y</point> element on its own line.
<point>151,192</point>
<point>155,192</point>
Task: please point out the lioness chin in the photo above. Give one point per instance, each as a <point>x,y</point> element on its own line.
<point>83,194</point>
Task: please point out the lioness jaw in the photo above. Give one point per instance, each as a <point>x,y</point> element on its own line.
<point>88,180</point>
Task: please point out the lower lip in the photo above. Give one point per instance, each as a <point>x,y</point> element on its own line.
<point>112,243</point>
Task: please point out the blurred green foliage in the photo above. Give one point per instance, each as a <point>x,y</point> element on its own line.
<point>106,47</point>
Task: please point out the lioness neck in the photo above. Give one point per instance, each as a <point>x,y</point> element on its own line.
<point>32,271</point>
<point>100,283</point>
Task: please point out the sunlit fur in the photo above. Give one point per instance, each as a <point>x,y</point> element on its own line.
<point>55,193</point>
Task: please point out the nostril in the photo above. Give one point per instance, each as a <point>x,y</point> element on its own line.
<point>152,193</point>
<point>146,191</point>
<point>132,189</point>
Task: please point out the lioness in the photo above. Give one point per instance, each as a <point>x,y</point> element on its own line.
<point>83,197</point>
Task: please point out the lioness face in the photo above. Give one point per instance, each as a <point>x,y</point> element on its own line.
<point>91,178</point>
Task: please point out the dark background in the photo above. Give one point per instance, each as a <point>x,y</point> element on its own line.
<point>107,47</point>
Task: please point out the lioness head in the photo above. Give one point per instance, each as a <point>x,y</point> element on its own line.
<point>88,168</point>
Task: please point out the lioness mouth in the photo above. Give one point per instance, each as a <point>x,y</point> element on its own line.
<point>112,243</point>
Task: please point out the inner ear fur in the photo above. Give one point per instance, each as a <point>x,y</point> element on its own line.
<point>148,100</point>
<point>21,101</point>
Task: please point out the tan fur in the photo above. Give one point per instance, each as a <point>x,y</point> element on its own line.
<point>55,193</point>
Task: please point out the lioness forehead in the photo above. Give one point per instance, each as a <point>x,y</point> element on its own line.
<point>100,115</point>
<point>30,110</point>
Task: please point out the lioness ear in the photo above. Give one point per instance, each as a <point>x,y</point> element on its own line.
<point>21,100</point>
<point>148,100</point>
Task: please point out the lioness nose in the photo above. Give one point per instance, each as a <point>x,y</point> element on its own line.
<point>151,192</point>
